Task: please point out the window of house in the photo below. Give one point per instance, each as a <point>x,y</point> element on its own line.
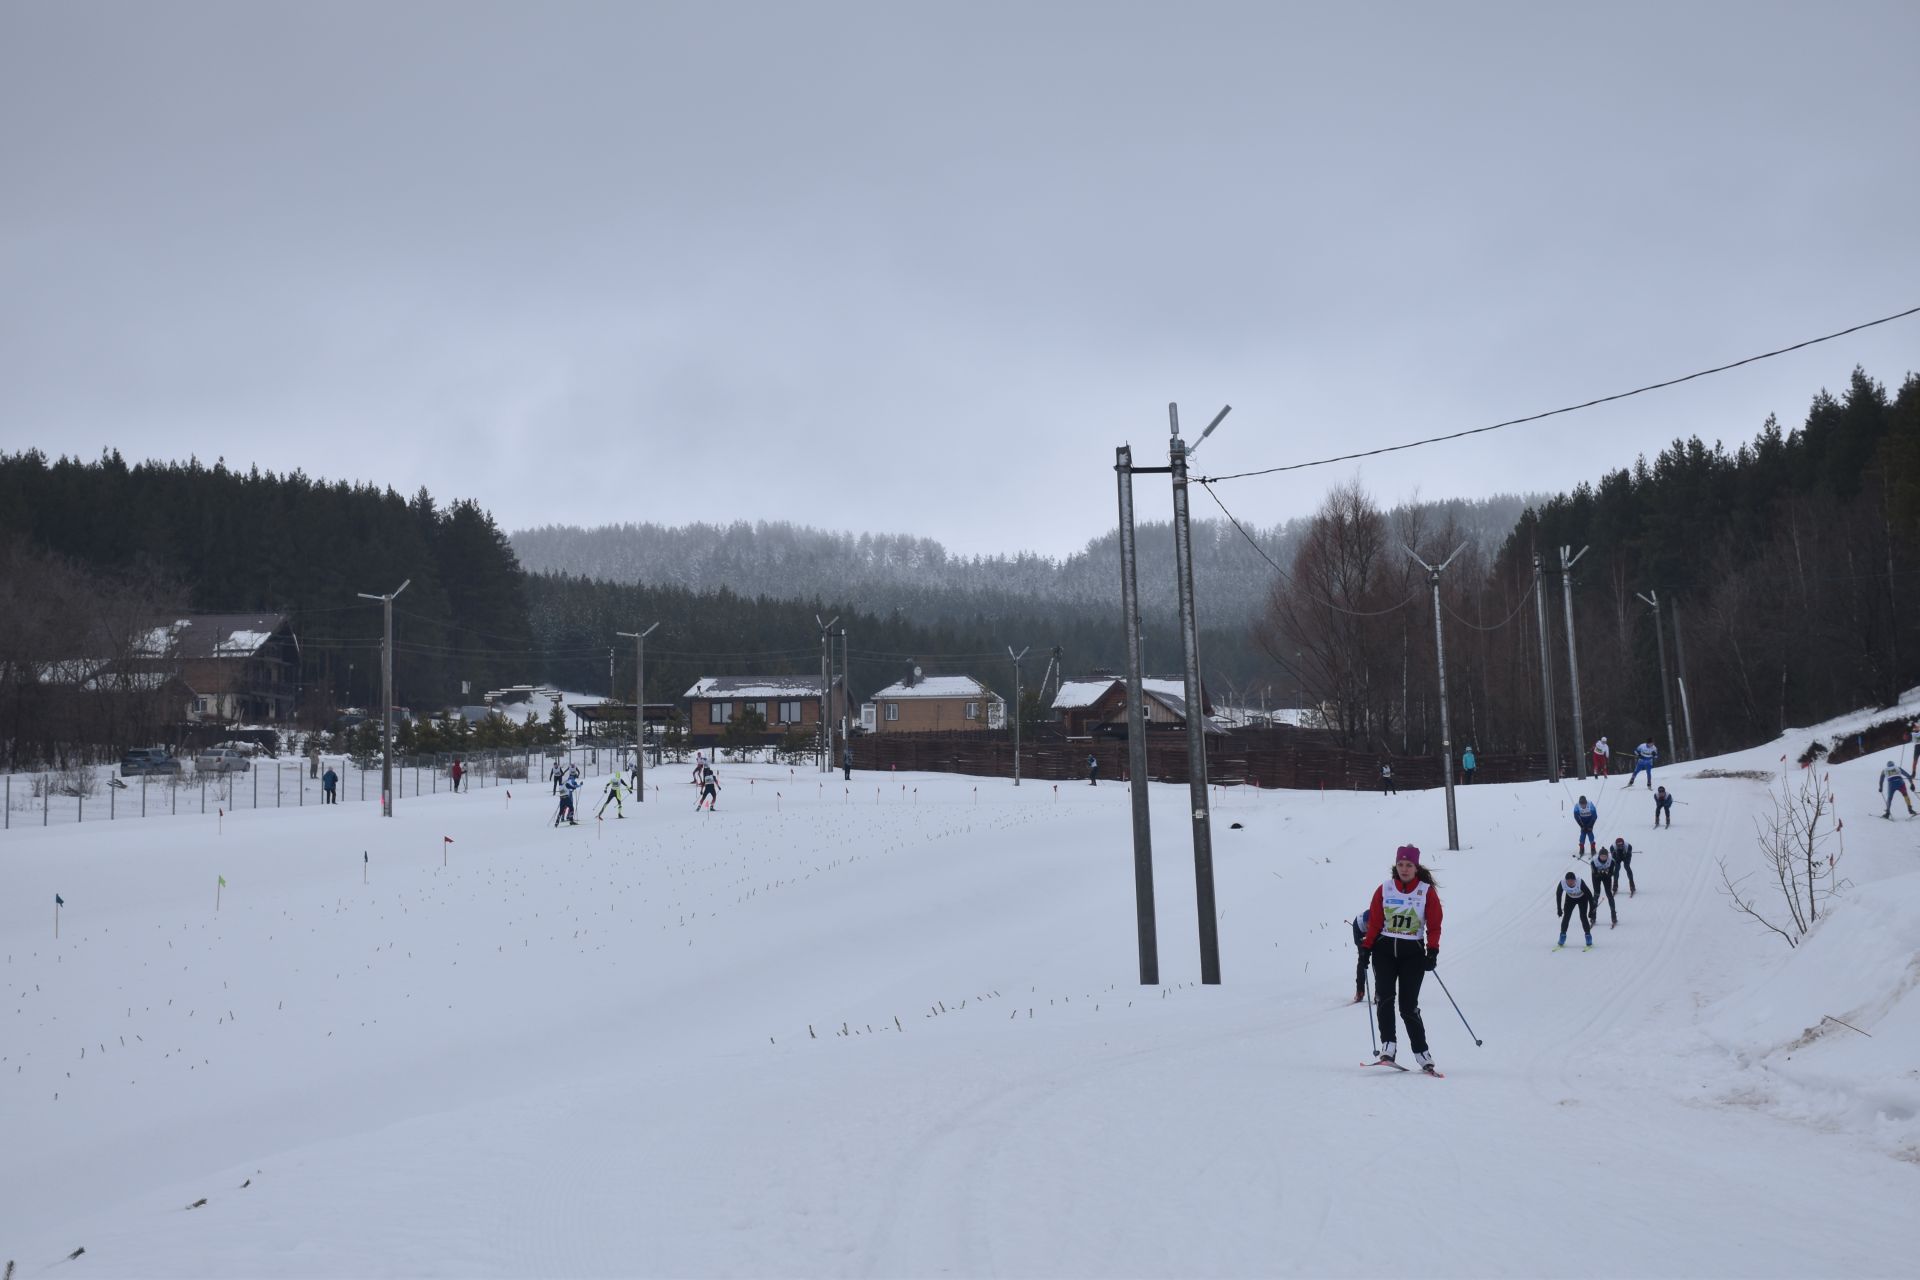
<point>893,711</point>
<point>790,713</point>
<point>973,711</point>
<point>758,709</point>
<point>719,712</point>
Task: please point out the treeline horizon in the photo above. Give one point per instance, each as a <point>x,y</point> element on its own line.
<point>1784,558</point>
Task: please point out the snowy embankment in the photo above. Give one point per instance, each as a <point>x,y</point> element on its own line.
<point>893,1028</point>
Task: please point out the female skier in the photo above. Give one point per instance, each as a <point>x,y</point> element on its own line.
<point>1403,936</point>
<point>1572,892</point>
<point>1606,883</point>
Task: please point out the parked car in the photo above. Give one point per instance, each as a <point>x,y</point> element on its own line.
<point>141,760</point>
<point>222,760</point>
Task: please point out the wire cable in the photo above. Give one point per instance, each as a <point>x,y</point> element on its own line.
<point>1572,408</point>
<point>1472,626</point>
<point>1358,613</point>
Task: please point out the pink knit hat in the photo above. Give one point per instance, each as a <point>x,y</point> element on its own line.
<point>1407,853</point>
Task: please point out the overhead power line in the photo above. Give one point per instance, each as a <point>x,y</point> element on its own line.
<point>1572,408</point>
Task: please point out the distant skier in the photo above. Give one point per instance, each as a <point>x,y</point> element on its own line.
<point>1093,770</point>
<point>616,787</point>
<point>458,772</point>
<point>699,763</point>
<point>709,790</point>
<point>558,776</point>
<point>1644,758</point>
<point>1606,883</point>
<point>846,762</point>
<point>1359,923</point>
<point>1602,758</point>
<point>1662,804</point>
<point>1894,781</point>
<point>1403,937</point>
<point>1623,859</point>
<point>1571,893</point>
<point>329,787</point>
<point>1467,763</point>
<point>1386,780</point>
<point>565,812</point>
<point>1586,815</point>
<point>1913,736</point>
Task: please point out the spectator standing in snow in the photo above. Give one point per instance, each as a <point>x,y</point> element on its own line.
<point>313,757</point>
<point>1623,859</point>
<point>1602,758</point>
<point>1386,780</point>
<point>1606,882</point>
<point>1093,770</point>
<point>1644,757</point>
<point>1662,803</point>
<point>1586,815</point>
<point>329,787</point>
<point>1403,937</point>
<point>1573,893</point>
<point>1467,762</point>
<point>846,761</point>
<point>458,772</point>
<point>1894,780</point>
<point>1913,736</point>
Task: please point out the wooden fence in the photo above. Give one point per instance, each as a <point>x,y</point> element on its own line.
<point>1265,758</point>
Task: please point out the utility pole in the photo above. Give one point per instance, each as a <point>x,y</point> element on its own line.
<point>639,639</point>
<point>1573,656</point>
<point>1440,654</point>
<point>1145,925</point>
<point>1660,638</point>
<point>1680,671</point>
<point>386,698</point>
<point>1016,709</point>
<point>846,697</point>
<point>1177,456</point>
<point>826,692</point>
<point>1546,677</point>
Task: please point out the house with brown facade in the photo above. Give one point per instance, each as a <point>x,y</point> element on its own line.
<point>932,704</point>
<point>1086,707</point>
<point>784,703</point>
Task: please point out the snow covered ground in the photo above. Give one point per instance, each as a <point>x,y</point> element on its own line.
<point>893,1029</point>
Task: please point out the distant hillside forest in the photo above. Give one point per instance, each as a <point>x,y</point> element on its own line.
<point>1788,561</point>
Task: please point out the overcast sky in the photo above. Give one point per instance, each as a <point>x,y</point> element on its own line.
<point>919,268</point>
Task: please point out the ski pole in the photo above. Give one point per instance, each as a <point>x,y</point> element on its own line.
<point>1456,1005</point>
<point>1366,985</point>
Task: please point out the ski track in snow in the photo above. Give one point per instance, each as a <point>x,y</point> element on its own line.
<point>587,1051</point>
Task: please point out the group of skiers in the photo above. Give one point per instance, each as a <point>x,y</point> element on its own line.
<point>1573,894</point>
<point>1645,756</point>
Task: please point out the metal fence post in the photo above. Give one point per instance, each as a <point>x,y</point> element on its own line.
<point>46,789</point>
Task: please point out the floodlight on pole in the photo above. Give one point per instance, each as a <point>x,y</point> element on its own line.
<point>1440,657</point>
<point>1016,709</point>
<point>386,697</point>
<point>826,692</point>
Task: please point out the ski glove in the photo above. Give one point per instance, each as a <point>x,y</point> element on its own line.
<point>1433,958</point>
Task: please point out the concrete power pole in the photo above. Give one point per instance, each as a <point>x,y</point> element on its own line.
<point>826,693</point>
<point>639,639</point>
<point>1145,924</point>
<point>1573,656</point>
<point>1177,457</point>
<point>1016,709</point>
<point>1546,677</point>
<point>1680,676</point>
<point>1440,654</point>
<point>1660,639</point>
<point>386,699</point>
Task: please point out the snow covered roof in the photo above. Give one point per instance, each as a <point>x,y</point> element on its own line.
<point>936,687</point>
<point>209,635</point>
<point>755,687</point>
<point>1074,694</point>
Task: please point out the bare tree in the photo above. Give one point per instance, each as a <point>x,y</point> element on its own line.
<point>1798,846</point>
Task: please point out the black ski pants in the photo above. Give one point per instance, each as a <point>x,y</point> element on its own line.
<point>1585,905</point>
<point>1604,882</point>
<point>1399,965</point>
<point>1662,807</point>
<point>1626,864</point>
<point>1360,969</point>
<point>1387,787</point>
